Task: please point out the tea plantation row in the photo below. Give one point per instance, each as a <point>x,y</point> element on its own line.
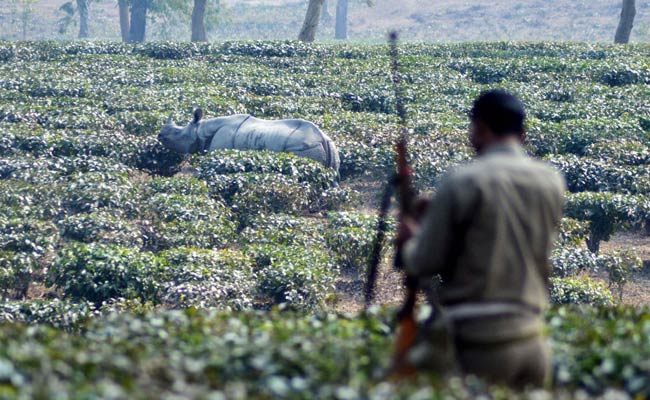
<point>214,355</point>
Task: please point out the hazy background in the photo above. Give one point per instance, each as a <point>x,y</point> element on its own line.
<point>418,20</point>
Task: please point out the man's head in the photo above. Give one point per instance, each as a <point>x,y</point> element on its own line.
<point>496,117</point>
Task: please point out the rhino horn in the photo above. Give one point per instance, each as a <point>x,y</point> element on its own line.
<point>170,121</point>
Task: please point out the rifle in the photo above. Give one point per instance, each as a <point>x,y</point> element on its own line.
<point>406,324</point>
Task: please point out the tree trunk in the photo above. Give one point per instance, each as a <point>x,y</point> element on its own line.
<point>138,21</point>
<point>198,21</point>
<point>341,20</point>
<point>325,16</point>
<point>82,6</point>
<point>25,21</point>
<point>124,19</point>
<point>626,23</point>
<point>308,31</point>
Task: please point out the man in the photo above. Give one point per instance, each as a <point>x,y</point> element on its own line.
<point>488,233</point>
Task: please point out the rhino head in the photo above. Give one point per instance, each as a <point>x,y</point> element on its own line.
<point>182,139</point>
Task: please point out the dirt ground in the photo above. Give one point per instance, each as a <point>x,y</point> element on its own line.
<point>637,291</point>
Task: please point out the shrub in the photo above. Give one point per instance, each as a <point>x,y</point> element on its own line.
<point>23,200</point>
<point>101,226</point>
<point>297,277</point>
<point>28,170</point>
<point>61,314</point>
<point>570,261</point>
<point>167,50</point>
<point>16,271</point>
<point>6,144</point>
<point>303,170</point>
<point>584,174</point>
<point>622,75</point>
<point>620,151</point>
<point>191,221</point>
<point>266,193</point>
<point>282,229</point>
<point>92,191</point>
<point>580,290</point>
<point>181,185</point>
<point>98,272</point>
<point>27,235</point>
<point>208,278</point>
<point>358,158</point>
<point>267,49</point>
<point>576,136</point>
<point>154,157</point>
<point>619,265</point>
<point>351,236</point>
<point>606,212</point>
<point>572,232</point>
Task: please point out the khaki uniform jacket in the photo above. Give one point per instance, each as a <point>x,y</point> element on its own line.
<point>489,231</point>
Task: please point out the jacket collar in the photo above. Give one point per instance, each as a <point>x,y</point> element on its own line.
<point>509,148</point>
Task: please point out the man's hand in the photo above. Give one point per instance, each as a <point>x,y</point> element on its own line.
<point>406,229</point>
<point>410,225</point>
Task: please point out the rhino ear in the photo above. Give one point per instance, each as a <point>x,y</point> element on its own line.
<point>198,114</point>
<point>169,120</point>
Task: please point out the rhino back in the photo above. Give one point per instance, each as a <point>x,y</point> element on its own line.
<point>223,130</point>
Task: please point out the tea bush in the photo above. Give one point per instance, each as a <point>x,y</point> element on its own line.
<point>580,290</point>
<point>282,229</point>
<point>103,227</point>
<point>27,235</point>
<point>92,191</point>
<point>620,151</point>
<point>61,314</point>
<point>619,266</point>
<point>97,273</point>
<point>189,221</point>
<point>179,185</point>
<point>588,175</point>
<point>295,276</point>
<point>16,270</point>
<point>351,236</point>
<point>572,232</point>
<point>600,348</point>
<point>606,213</point>
<point>280,354</point>
<point>208,278</point>
<point>570,261</point>
<point>23,200</point>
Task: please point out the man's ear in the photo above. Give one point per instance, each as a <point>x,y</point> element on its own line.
<point>198,114</point>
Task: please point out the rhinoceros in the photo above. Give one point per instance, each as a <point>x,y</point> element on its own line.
<point>245,132</point>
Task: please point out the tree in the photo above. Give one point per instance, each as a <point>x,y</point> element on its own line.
<point>626,22</point>
<point>26,13</point>
<point>198,21</point>
<point>82,7</point>
<point>124,19</point>
<point>314,11</point>
<point>70,9</point>
<point>341,29</point>
<point>138,24</point>
<point>325,16</point>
